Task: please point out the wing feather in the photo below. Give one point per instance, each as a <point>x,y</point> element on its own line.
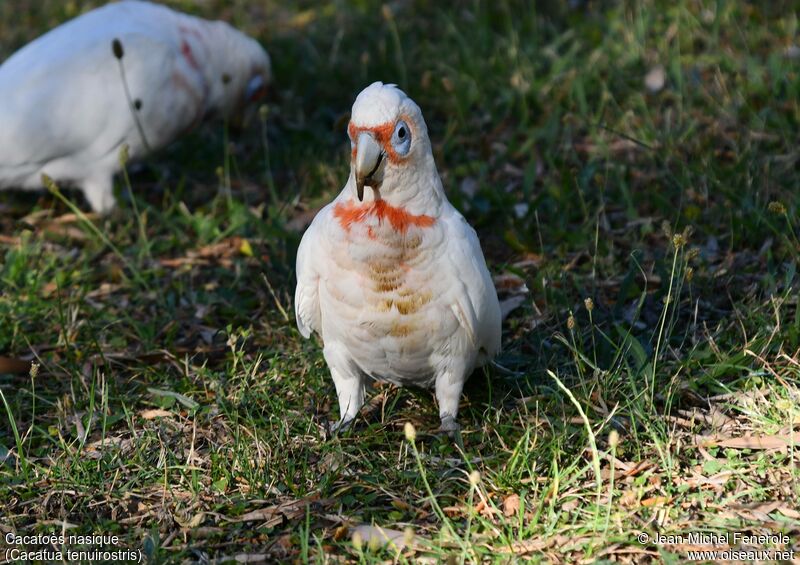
<point>475,303</point>
<point>306,296</point>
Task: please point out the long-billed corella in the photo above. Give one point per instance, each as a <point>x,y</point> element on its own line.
<point>129,73</point>
<point>389,274</point>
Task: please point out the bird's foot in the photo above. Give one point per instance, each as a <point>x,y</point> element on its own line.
<point>449,426</point>
<point>335,428</point>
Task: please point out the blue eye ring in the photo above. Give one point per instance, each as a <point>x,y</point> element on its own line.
<point>401,138</point>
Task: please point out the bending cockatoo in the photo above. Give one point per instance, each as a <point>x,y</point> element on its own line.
<point>67,106</point>
<point>393,278</point>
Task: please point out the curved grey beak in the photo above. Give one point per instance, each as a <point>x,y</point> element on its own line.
<point>368,158</point>
<point>254,87</point>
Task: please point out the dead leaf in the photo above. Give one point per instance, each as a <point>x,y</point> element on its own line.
<point>376,535</point>
<point>511,505</point>
<point>789,512</point>
<point>764,507</point>
<point>570,505</point>
<point>221,252</point>
<point>204,532</point>
<point>194,522</point>
<point>529,260</point>
<point>747,442</point>
<point>638,468</point>
<point>103,290</point>
<point>95,449</point>
<point>13,365</point>
<point>484,509</point>
<point>756,512</point>
<point>613,147</point>
<point>656,501</point>
<point>512,291</point>
<point>284,542</point>
<point>528,546</point>
<point>714,418</point>
<point>155,413</point>
<point>274,515</point>
<point>66,231</point>
<point>698,480</point>
<point>246,558</point>
<point>260,515</point>
<point>510,283</point>
<point>628,498</point>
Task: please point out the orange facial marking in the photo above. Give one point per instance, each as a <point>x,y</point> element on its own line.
<point>383,135</point>
<point>400,220</point>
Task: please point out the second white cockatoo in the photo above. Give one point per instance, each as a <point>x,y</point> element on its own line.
<point>390,274</point>
<point>129,73</point>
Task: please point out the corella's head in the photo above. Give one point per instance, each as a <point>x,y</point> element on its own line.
<point>244,74</point>
<point>389,139</point>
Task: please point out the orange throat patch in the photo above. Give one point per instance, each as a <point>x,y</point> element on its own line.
<point>400,219</point>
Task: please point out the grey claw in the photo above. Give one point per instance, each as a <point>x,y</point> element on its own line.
<point>341,426</point>
<point>450,427</point>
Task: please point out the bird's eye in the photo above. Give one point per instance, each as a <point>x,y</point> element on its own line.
<point>401,140</point>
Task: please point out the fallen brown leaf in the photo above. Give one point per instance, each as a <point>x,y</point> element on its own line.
<point>274,515</point>
<point>376,535</point>
<point>13,365</point>
<point>748,442</point>
<point>511,505</point>
<point>789,512</point>
<point>95,449</point>
<point>246,558</point>
<point>760,511</point>
<point>194,522</point>
<point>262,514</point>
<point>155,413</point>
<point>340,533</point>
<point>221,252</point>
<point>638,468</point>
<point>484,509</point>
<point>656,501</point>
<point>528,546</point>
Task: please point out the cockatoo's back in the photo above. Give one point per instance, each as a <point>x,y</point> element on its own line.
<point>63,90</point>
<point>90,32</point>
<point>65,109</point>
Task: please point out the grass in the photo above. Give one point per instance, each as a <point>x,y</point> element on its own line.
<point>648,385</point>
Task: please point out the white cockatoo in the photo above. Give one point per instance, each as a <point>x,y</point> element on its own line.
<point>393,278</point>
<point>129,73</point>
